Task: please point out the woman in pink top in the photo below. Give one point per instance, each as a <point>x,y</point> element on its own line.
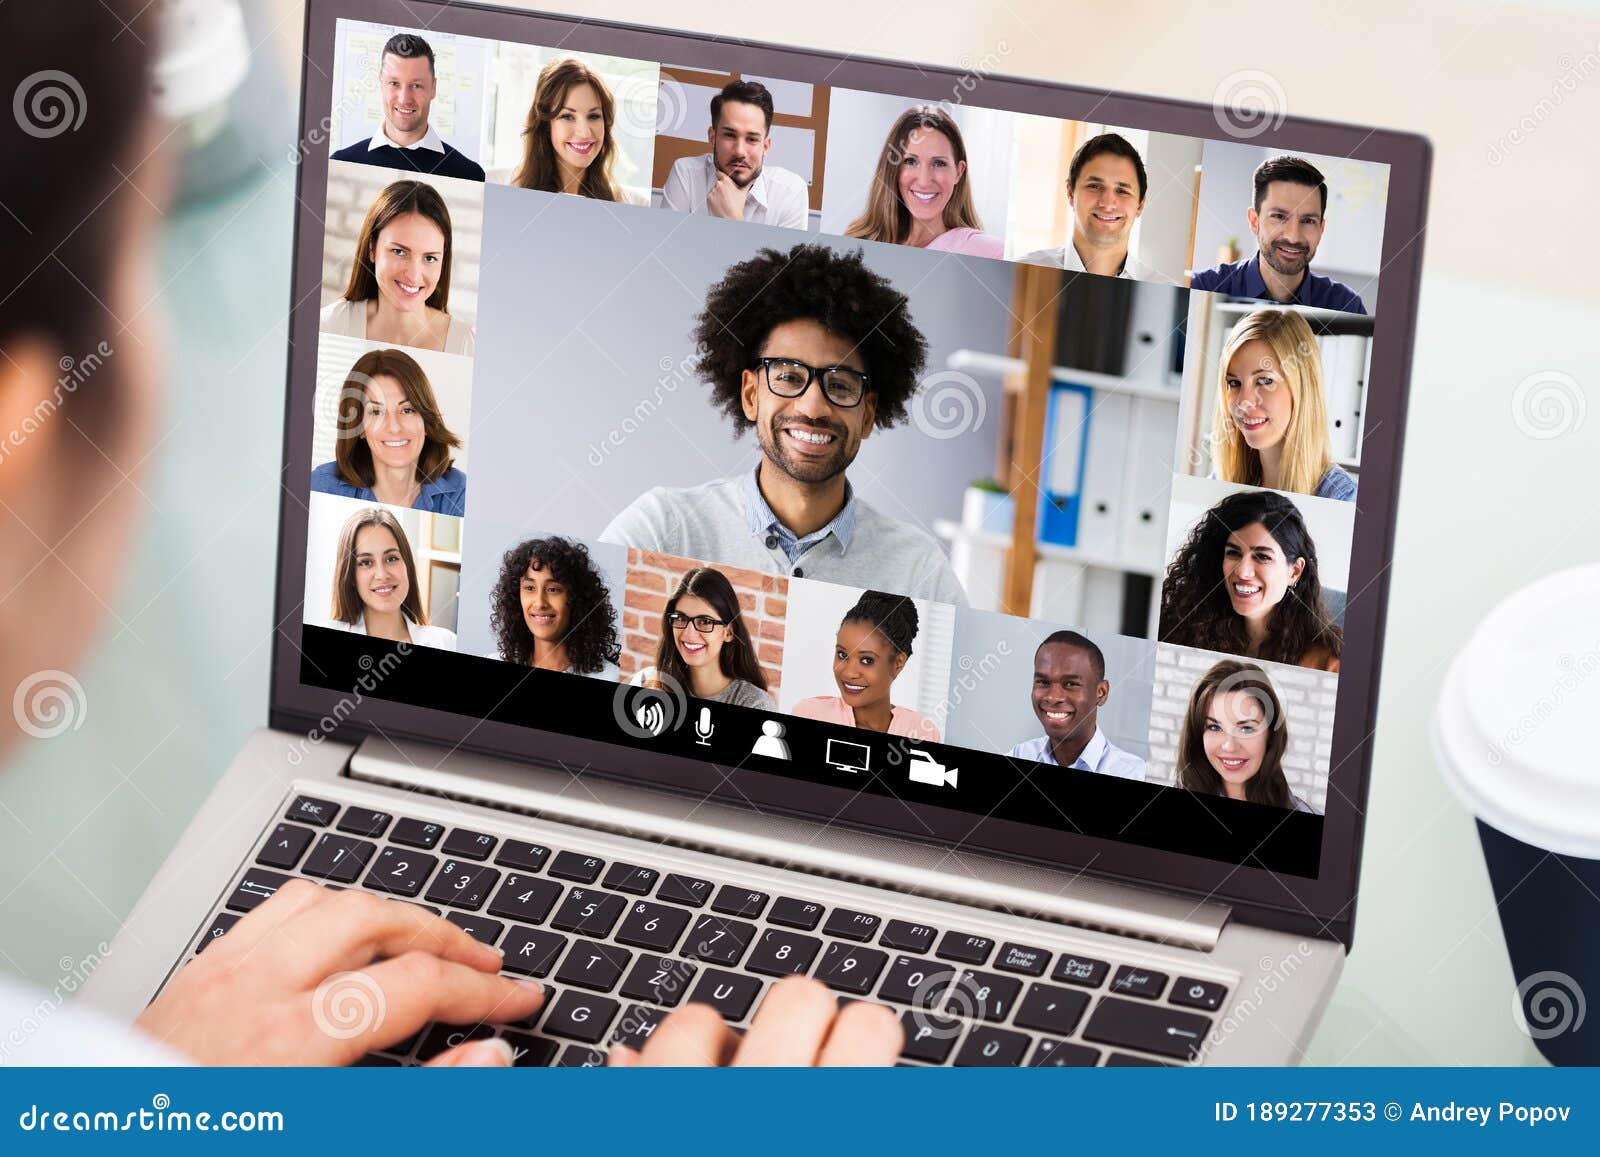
<point>869,652</point>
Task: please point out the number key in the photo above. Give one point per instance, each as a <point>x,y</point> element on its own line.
<point>339,858</point>
<point>850,968</point>
<point>656,926</point>
<point>589,912</point>
<point>527,899</point>
<point>463,885</point>
<point>783,953</point>
<point>400,872</point>
<point>719,940</point>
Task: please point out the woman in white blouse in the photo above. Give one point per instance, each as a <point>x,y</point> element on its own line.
<point>375,583</point>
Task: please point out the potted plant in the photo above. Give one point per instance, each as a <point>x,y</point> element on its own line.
<point>987,506</point>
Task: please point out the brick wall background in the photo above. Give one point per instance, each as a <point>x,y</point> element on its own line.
<point>351,190</point>
<point>652,577</point>
<point>1307,697</point>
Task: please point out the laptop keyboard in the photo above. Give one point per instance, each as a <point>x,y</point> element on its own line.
<point>618,945</point>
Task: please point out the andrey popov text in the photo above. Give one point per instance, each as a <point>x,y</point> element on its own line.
<point>1448,1113</point>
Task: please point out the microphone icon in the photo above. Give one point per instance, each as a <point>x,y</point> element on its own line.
<point>703,727</point>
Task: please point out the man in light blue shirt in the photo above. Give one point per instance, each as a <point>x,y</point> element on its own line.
<point>1069,688</point>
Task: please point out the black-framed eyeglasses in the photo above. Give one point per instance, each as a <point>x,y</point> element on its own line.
<point>705,624</point>
<point>841,385</point>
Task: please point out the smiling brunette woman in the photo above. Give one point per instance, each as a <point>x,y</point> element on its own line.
<point>399,289</point>
<point>705,647</point>
<point>392,445</point>
<point>1234,736</point>
<point>567,142</point>
<point>869,652</point>
<point>375,583</point>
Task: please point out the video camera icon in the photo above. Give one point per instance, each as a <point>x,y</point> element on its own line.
<point>924,769</point>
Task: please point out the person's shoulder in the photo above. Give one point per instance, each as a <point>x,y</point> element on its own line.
<point>441,637</point>
<point>785,179</point>
<point>1210,279</point>
<point>353,152</point>
<point>325,480</point>
<point>1337,295</point>
<point>683,168</point>
<point>1337,485</point>
<point>901,534</point>
<point>460,165</point>
<point>340,625</point>
<point>460,338</point>
<point>914,723</point>
<point>816,707</point>
<point>344,317</point>
<point>1050,257</point>
<point>1320,657</point>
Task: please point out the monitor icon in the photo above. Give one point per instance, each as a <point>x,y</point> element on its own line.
<point>847,756</point>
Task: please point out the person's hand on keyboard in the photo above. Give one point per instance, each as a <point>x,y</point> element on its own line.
<point>316,976</point>
<point>799,1023</point>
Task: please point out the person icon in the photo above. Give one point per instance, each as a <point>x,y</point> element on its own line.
<point>771,744</point>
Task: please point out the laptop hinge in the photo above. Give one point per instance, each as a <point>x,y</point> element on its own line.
<point>961,877</point>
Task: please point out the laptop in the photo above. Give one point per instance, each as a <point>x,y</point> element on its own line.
<point>750,511</point>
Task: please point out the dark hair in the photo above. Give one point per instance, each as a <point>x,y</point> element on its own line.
<point>737,659</point>
<point>1097,658</point>
<point>1195,772</point>
<point>67,183</point>
<point>591,639</point>
<point>351,454</point>
<point>1295,170</point>
<point>408,46</point>
<point>892,616</point>
<point>399,200</point>
<point>540,169</point>
<point>812,282</point>
<point>1196,610</point>
<point>347,604</point>
<point>744,92</point>
<point>1116,146</point>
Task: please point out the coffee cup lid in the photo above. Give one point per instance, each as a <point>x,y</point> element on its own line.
<point>1517,727</point>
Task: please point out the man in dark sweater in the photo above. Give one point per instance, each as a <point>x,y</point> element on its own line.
<point>405,140</point>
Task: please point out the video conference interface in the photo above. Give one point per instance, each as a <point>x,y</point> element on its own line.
<point>978,459</point>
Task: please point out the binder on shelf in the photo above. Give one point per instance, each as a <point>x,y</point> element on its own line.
<point>1061,463</point>
<point>1147,482</point>
<point>1100,512</point>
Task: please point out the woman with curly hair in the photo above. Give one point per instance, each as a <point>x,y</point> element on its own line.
<point>567,143</point>
<point>1245,583</point>
<point>869,652</point>
<point>920,194</point>
<point>814,351</point>
<point>705,647</point>
<point>551,609</point>
<point>1234,736</point>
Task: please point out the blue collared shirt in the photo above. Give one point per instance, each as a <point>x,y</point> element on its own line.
<point>1099,755</point>
<point>446,495</point>
<point>1243,279</point>
<point>764,522</point>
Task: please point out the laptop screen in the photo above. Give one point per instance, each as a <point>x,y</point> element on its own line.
<point>933,451</point>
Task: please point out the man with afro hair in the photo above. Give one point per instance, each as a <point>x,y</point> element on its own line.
<point>813,351</point>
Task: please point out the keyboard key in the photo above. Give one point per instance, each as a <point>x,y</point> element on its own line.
<point>1021,958</point>
<point>578,1057</point>
<point>1051,1009</point>
<point>220,923</point>
<point>1059,1054</point>
<point>907,937</point>
<point>654,926</point>
<point>718,940</point>
<point>593,965</point>
<point>525,899</point>
<point>1080,970</point>
<point>312,811</point>
<point>983,995</point>
<point>688,890</point>
<point>851,968</point>
<point>532,1019</point>
<point>1150,1028</point>
<point>631,878</point>
<point>728,992</point>
<point>447,1036</point>
<point>637,1024</point>
<point>965,948</point>
<point>376,1061</point>
<point>581,1016</point>
<point>579,869</point>
<point>848,925</point>
<point>987,1047</point>
<point>417,833</point>
<point>529,1052</point>
<point>285,846</point>
<point>659,979</point>
<point>463,885</point>
<point>588,912</point>
<point>255,886</point>
<point>339,858</point>
<point>928,1036</point>
<point>732,900</point>
<point>792,913</point>
<point>364,821</point>
<point>467,845</point>
<point>1131,981</point>
<point>1129,1061</point>
<point>478,927</point>
<point>530,951</point>
<point>400,872</point>
<point>782,953</point>
<point>916,981</point>
<point>521,855</point>
<point>1192,993</point>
